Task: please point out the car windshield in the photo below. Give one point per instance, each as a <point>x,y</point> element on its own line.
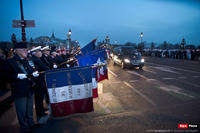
<point>130,52</point>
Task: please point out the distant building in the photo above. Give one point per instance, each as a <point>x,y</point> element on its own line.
<point>46,40</point>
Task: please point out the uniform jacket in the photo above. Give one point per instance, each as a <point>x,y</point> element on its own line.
<point>20,88</point>
<point>46,60</point>
<point>40,66</point>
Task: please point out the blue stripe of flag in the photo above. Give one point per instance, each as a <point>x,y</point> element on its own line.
<point>68,76</point>
<point>92,57</point>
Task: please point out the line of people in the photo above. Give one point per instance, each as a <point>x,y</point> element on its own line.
<point>25,73</point>
<point>187,54</point>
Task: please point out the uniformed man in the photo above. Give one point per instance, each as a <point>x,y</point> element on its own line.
<point>59,59</point>
<point>21,76</point>
<point>40,87</point>
<point>3,66</point>
<point>64,54</point>
<point>46,60</point>
<point>45,56</point>
<point>52,58</point>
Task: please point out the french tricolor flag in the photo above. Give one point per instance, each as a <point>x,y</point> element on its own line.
<point>70,90</point>
<point>102,73</point>
<point>96,58</point>
<point>94,82</point>
<point>102,70</point>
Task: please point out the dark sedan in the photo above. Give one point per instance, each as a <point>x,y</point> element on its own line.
<point>127,56</point>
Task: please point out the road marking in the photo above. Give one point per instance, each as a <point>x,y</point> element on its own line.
<point>112,73</point>
<point>167,78</point>
<point>175,90</point>
<point>151,79</point>
<point>182,77</point>
<point>147,79</point>
<point>192,84</point>
<point>173,68</point>
<point>160,83</point>
<point>132,81</point>
<point>132,72</point>
<point>150,71</point>
<point>165,69</point>
<point>195,76</point>
<point>139,93</point>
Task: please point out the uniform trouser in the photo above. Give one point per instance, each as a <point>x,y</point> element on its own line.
<point>46,95</point>
<point>24,110</point>
<point>39,96</point>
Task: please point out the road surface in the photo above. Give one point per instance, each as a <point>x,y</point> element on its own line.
<point>156,99</point>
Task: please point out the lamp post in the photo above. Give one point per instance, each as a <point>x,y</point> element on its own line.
<point>107,41</point>
<point>69,38</point>
<point>141,35</point>
<point>183,44</point>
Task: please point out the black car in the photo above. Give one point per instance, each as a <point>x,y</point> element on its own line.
<point>127,56</point>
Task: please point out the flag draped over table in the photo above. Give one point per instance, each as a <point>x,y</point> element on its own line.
<point>70,90</point>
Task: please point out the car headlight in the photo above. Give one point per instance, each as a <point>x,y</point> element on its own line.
<point>142,60</point>
<point>127,60</point>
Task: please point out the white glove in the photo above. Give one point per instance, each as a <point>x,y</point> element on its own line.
<point>55,66</point>
<point>21,76</point>
<point>67,65</point>
<point>35,74</point>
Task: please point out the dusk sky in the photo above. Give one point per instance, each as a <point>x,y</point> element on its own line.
<point>122,20</point>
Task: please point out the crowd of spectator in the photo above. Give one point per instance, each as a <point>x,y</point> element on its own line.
<point>186,54</point>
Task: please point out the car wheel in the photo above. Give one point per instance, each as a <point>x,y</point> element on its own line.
<point>122,65</point>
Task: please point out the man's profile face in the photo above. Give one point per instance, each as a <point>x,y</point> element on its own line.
<point>46,52</point>
<point>22,52</point>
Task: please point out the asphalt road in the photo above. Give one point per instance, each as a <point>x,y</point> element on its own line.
<point>156,99</point>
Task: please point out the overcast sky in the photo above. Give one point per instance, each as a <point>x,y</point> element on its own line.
<point>122,20</point>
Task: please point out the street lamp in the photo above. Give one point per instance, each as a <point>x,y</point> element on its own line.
<point>69,38</point>
<point>141,35</point>
<point>107,41</point>
<point>69,32</point>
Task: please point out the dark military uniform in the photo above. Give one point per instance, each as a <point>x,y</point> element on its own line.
<point>3,74</point>
<point>59,59</point>
<point>22,91</point>
<point>45,60</point>
<point>40,88</point>
<point>65,57</point>
<point>53,61</point>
